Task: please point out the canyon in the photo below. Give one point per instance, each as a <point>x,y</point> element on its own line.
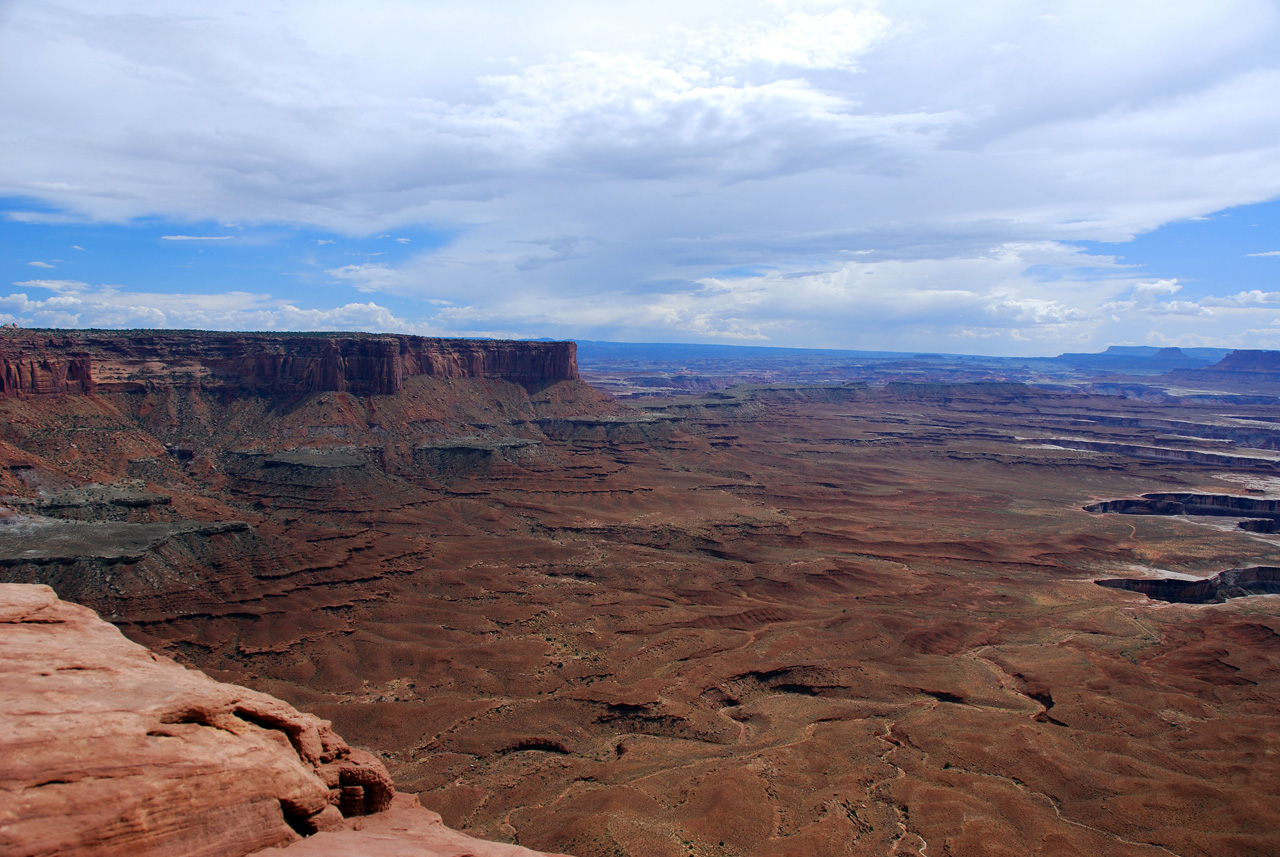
<point>783,619</point>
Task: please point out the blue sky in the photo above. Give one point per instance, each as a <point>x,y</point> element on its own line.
<point>1224,251</point>
<point>998,177</point>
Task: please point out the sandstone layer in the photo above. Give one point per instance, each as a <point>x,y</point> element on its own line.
<point>78,362</point>
<point>106,748</point>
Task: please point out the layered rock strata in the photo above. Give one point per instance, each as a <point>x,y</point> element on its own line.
<point>107,748</point>
<point>80,362</point>
<point>1232,583</point>
<point>1261,515</point>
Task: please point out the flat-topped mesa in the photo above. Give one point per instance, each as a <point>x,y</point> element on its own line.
<point>43,362</point>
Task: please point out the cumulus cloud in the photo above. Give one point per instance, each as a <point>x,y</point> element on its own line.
<point>77,304</point>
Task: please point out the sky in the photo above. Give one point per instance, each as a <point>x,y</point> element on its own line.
<point>1004,177</point>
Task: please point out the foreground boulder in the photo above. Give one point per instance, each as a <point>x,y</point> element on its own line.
<point>108,748</point>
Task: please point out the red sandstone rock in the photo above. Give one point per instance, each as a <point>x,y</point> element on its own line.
<point>45,362</point>
<point>42,375</point>
<point>107,748</point>
<point>404,830</point>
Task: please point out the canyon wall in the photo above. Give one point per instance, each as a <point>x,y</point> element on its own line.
<point>1232,583</point>
<point>35,362</point>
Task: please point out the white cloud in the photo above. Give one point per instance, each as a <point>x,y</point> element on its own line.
<point>370,276</point>
<point>1268,253</point>
<point>78,305</point>
<point>40,264</point>
<point>1252,298</point>
<point>1146,295</point>
<point>833,40</point>
<point>605,168</point>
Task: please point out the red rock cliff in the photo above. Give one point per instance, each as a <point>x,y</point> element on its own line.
<point>39,362</point>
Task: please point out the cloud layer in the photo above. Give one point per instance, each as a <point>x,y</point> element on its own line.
<point>838,174</point>
<point>75,304</point>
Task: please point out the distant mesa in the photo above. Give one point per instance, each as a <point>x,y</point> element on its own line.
<point>1241,371</point>
<point>653,370</point>
<point>1249,361</point>
<point>1142,359</point>
<point>324,459</point>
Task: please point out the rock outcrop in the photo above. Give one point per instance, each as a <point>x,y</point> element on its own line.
<point>107,748</point>
<point>1261,515</point>
<point>34,362</point>
<point>1223,505</point>
<point>37,373</point>
<point>1232,583</point>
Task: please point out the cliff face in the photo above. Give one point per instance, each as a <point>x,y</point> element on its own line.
<point>1249,361</point>
<point>44,374</point>
<point>106,748</point>
<point>1232,583</point>
<point>78,362</point>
